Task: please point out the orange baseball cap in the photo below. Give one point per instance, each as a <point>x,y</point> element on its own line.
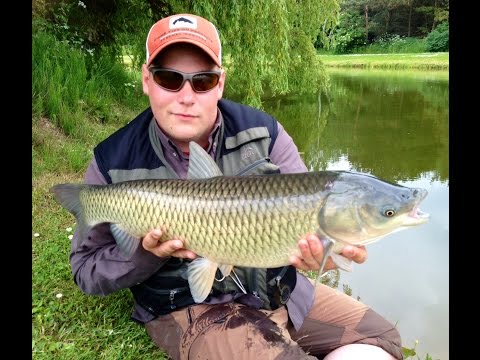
<point>188,28</point>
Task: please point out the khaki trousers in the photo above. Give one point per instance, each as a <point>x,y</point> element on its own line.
<point>237,332</point>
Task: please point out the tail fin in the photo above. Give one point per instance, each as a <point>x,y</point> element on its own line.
<point>68,195</point>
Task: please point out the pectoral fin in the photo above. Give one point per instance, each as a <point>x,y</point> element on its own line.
<point>327,250</point>
<point>331,248</point>
<point>201,274</point>
<point>342,262</point>
<point>126,242</point>
<point>225,269</point>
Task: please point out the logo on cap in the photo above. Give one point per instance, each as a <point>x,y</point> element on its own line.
<point>183,22</point>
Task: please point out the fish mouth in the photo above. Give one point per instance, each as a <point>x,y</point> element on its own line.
<point>417,216</point>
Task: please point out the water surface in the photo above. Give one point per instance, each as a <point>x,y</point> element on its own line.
<point>394,125</point>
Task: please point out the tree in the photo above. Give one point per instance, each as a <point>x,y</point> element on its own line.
<point>357,6</point>
<point>409,4</point>
<point>391,17</point>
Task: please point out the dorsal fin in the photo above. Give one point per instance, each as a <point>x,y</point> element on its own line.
<point>201,165</point>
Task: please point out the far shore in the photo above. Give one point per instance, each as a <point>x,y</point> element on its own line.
<point>419,61</point>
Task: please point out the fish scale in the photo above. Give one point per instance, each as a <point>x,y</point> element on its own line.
<point>262,215</point>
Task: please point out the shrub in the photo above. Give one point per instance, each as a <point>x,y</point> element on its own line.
<point>437,40</point>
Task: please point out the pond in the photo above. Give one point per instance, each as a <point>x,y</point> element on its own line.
<point>394,125</point>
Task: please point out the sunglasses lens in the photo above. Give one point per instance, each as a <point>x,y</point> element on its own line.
<point>170,80</point>
<point>204,81</point>
<point>173,80</point>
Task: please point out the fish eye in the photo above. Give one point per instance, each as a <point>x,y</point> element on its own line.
<point>389,212</point>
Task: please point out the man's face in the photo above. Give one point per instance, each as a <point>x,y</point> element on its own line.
<point>184,115</point>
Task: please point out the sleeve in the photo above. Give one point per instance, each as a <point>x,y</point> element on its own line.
<point>285,153</point>
<point>97,265</point>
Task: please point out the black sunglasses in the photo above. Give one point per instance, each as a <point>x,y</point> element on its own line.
<point>173,80</point>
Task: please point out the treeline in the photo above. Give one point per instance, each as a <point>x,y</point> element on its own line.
<point>358,23</point>
<point>363,23</point>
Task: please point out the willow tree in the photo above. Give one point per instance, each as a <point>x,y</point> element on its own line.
<point>268,44</point>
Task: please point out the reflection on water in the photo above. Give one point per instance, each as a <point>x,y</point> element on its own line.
<point>393,125</point>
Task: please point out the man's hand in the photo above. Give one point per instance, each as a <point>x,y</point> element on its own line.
<point>311,250</point>
<point>151,242</point>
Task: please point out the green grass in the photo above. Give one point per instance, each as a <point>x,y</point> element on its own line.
<point>419,61</point>
<point>74,108</point>
<point>394,44</point>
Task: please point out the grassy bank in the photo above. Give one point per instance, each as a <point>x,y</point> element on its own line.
<point>422,61</point>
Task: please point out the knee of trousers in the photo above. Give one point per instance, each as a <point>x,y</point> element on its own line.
<point>380,332</point>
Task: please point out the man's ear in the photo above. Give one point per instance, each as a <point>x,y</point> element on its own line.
<point>145,79</point>
<point>221,84</point>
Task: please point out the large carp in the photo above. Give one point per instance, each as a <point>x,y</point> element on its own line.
<point>252,221</point>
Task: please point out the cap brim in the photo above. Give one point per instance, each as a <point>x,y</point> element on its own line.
<point>190,41</point>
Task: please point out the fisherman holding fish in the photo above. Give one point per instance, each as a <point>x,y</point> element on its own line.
<point>266,313</point>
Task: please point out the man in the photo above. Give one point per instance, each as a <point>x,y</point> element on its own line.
<point>258,313</point>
